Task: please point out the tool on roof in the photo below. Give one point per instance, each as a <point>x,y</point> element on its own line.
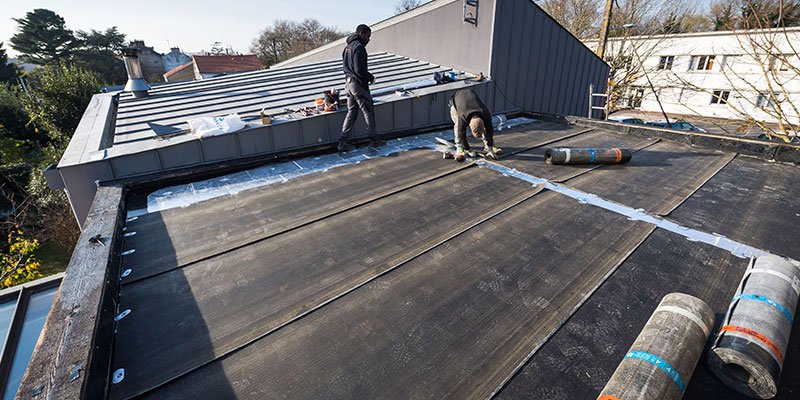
<point>266,119</point>
<point>748,352</point>
<point>574,155</point>
<point>663,356</point>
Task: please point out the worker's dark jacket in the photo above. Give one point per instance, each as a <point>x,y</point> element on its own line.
<point>468,104</point>
<point>355,61</point>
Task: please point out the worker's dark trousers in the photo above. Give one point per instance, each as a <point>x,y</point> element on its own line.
<point>359,99</point>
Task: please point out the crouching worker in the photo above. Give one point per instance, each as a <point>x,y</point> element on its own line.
<point>467,109</point>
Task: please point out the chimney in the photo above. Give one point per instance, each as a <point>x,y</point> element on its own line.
<point>136,83</point>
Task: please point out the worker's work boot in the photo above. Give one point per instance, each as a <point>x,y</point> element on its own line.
<point>344,145</point>
<point>376,142</point>
<point>492,152</point>
<point>461,155</point>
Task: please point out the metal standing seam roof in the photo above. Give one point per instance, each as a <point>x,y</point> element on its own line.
<point>412,276</point>
<point>169,107</point>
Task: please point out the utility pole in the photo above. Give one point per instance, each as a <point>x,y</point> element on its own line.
<point>601,45</point>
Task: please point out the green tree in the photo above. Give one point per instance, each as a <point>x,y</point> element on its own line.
<point>18,263</point>
<point>99,51</point>
<point>723,14</point>
<point>8,72</point>
<point>59,94</point>
<point>42,38</point>
<point>758,14</point>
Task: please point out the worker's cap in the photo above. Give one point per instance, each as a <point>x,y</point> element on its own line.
<point>477,127</point>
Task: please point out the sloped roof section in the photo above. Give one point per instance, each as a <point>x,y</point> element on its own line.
<point>226,64</point>
<point>178,69</point>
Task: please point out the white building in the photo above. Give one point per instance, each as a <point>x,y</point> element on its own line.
<point>174,59</point>
<point>744,75</point>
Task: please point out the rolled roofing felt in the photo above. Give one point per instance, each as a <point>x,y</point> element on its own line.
<point>748,352</point>
<point>573,155</point>
<point>663,357</point>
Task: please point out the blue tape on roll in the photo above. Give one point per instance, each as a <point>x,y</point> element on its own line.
<point>766,300</point>
<point>593,155</point>
<point>660,363</point>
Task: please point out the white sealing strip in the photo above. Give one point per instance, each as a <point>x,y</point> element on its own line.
<point>677,310</point>
<point>736,248</point>
<point>792,281</point>
<point>568,155</point>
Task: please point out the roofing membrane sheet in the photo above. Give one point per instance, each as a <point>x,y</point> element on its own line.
<point>412,276</point>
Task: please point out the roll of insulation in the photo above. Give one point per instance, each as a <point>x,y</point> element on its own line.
<point>662,359</point>
<point>571,155</point>
<point>749,349</point>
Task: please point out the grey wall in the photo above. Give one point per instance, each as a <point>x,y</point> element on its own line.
<point>538,65</point>
<point>434,32</point>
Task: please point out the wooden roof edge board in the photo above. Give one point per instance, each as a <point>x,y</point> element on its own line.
<point>381,56</point>
<point>217,87</point>
<point>770,151</point>
<point>81,319</point>
<point>221,108</point>
<point>251,88</point>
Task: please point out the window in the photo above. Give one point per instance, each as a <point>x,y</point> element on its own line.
<point>666,62</point>
<point>635,96</point>
<point>780,62</point>
<point>720,97</point>
<point>765,100</point>
<point>702,63</point>
<point>621,62</point>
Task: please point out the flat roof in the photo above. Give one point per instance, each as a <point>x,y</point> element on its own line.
<point>404,274</point>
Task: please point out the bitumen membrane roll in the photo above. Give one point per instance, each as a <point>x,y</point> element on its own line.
<point>662,359</point>
<point>574,155</point>
<point>749,350</point>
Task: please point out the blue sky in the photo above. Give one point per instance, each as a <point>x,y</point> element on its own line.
<point>194,25</point>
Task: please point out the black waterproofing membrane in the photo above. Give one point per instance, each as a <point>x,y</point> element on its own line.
<point>412,276</point>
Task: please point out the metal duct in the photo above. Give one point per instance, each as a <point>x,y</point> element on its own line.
<point>136,83</point>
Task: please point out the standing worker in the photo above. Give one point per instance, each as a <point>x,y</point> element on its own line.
<point>358,79</point>
<point>466,108</point>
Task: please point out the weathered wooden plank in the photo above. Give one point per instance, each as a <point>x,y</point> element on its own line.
<point>76,339</point>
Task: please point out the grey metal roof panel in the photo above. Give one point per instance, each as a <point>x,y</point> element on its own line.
<point>271,89</point>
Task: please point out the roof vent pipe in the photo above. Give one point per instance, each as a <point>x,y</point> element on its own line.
<point>136,83</point>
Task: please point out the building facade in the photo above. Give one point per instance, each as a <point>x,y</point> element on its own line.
<point>735,75</point>
<point>175,58</point>
<point>151,60</point>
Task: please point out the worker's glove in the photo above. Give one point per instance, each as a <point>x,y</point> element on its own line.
<point>492,152</point>
<point>461,155</point>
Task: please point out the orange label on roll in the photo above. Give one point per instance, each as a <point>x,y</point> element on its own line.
<point>607,397</point>
<point>619,158</point>
<point>761,338</point>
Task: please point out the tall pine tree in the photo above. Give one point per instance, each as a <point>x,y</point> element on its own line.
<point>42,38</point>
<point>8,72</point>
